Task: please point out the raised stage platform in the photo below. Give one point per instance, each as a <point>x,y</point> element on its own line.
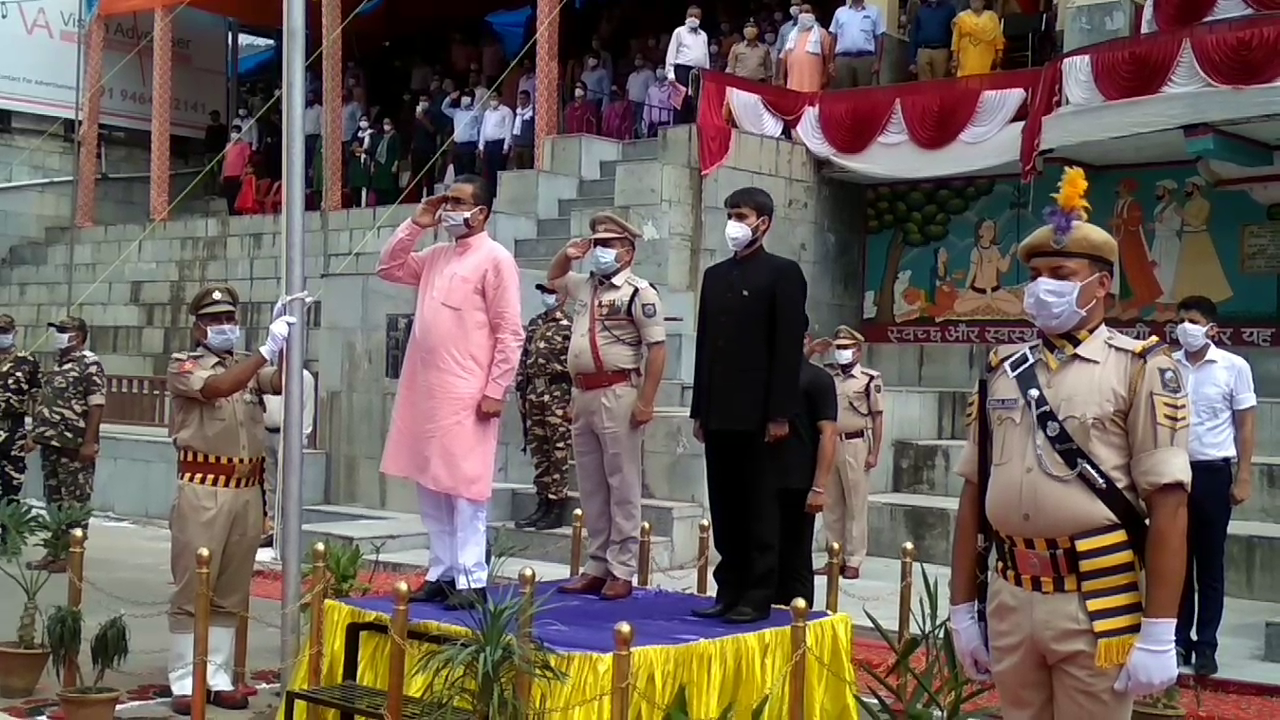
<point>716,663</point>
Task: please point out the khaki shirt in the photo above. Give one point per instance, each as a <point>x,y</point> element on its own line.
<point>1130,415</point>
<point>613,319</point>
<point>859,396</point>
<point>753,62</point>
<point>231,426</point>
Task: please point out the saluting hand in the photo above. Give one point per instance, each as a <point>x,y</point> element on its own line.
<point>425,215</point>
<point>577,249</point>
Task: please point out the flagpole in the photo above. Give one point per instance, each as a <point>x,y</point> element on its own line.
<point>290,479</point>
<point>82,24</point>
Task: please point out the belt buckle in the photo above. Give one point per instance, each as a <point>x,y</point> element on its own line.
<point>242,471</point>
<point>1033,562</point>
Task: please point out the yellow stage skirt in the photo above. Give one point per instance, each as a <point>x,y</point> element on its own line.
<point>741,669</point>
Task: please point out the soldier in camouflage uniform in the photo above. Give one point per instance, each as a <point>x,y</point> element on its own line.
<point>19,383</point>
<point>66,421</point>
<point>544,388</point>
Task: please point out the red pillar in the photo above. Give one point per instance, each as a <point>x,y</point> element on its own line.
<point>331,69</point>
<point>546,110</point>
<point>87,163</point>
<point>161,111</point>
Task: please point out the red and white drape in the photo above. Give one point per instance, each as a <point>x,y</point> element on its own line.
<point>1181,14</point>
<point>1173,62</point>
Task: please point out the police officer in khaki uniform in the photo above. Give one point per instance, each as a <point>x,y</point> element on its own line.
<point>860,399</point>
<point>617,351</point>
<point>1079,426</point>
<point>218,430</point>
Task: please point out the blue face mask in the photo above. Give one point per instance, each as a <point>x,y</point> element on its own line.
<point>550,301</point>
<point>6,341</point>
<point>222,338</point>
<point>604,260</point>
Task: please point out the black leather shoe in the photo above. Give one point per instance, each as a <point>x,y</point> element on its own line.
<point>714,612</point>
<point>466,599</point>
<point>435,591</point>
<point>553,518</point>
<point>1206,665</point>
<point>1184,657</point>
<point>533,518</point>
<point>743,615</point>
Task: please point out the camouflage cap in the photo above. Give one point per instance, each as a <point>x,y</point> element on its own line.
<point>71,323</point>
<point>607,226</point>
<point>7,323</point>
<point>213,299</point>
<point>846,336</point>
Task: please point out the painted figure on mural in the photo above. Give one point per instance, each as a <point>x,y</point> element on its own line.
<point>1199,269</point>
<point>983,294</point>
<point>1138,286</point>
<point>1166,243</point>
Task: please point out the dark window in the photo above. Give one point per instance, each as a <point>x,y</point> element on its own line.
<point>399,328</point>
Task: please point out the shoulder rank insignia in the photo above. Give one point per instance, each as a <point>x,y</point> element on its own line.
<point>1149,347</point>
<point>1171,381</point>
<point>649,310</point>
<point>1173,413</point>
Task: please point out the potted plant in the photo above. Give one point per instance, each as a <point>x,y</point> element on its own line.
<point>937,685</point>
<point>679,708</point>
<point>108,649</point>
<point>1160,706</point>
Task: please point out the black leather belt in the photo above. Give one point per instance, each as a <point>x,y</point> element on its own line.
<point>275,431</point>
<point>855,435</point>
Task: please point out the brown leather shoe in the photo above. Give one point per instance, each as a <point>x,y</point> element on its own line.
<point>616,589</point>
<point>228,699</point>
<point>41,564</point>
<point>822,569</point>
<point>850,573</point>
<point>181,705</point>
<point>584,584</point>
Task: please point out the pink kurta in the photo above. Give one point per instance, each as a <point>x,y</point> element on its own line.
<point>466,343</point>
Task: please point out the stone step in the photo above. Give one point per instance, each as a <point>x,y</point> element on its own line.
<point>1271,641</point>
<point>553,227</point>
<point>401,531</point>
<point>541,246</point>
<point>555,545</point>
<point>929,522</point>
<point>646,149</point>
<point>536,263</point>
<point>668,518</point>
<point>596,188</point>
<point>603,202</point>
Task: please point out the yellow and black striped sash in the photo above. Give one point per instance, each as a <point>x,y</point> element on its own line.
<point>219,471</point>
<point>1100,565</point>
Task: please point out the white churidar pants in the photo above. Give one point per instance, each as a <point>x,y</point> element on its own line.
<point>222,643</point>
<point>458,534</point>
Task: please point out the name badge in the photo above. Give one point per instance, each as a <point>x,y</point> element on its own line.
<point>1002,403</point>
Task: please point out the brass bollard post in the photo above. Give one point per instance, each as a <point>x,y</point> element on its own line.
<point>575,547</point>
<point>645,561</point>
<point>241,658</point>
<point>799,656</point>
<point>319,592</point>
<point>906,580</point>
<point>833,576</point>
<point>399,637</point>
<point>620,705</point>
<point>75,598</point>
<point>524,683</point>
<point>200,651</point>
<point>704,555</point>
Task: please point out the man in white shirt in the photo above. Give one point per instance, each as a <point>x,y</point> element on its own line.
<point>351,112</point>
<point>639,82</point>
<point>688,51</point>
<point>248,128</point>
<point>312,123</point>
<point>597,79</point>
<point>785,30</point>
<point>1223,412</point>
<point>495,140</point>
<point>466,131</point>
<point>859,32</point>
<point>273,405</point>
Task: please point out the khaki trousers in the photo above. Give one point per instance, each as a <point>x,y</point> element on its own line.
<point>852,72</point>
<point>607,452</point>
<point>844,516</point>
<point>1042,650</point>
<point>229,524</point>
<point>933,63</point>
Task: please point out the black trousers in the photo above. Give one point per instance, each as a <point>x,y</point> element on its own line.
<point>423,180</point>
<point>464,159</point>
<point>742,484</point>
<point>1208,512</point>
<point>495,161</point>
<point>795,548</point>
<point>688,111</point>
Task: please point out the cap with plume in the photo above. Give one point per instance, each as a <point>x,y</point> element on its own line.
<point>1069,206</point>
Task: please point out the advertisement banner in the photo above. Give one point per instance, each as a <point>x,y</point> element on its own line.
<point>38,74</point>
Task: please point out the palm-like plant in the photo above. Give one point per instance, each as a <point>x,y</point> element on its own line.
<point>679,708</point>
<point>108,648</point>
<point>938,686</point>
<point>20,526</point>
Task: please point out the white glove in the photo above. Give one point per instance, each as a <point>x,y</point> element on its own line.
<point>1153,664</point>
<point>971,647</point>
<point>276,336</point>
<point>282,305</point>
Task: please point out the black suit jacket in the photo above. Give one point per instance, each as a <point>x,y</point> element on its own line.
<point>750,338</point>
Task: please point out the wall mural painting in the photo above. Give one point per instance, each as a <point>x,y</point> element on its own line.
<point>942,254</point>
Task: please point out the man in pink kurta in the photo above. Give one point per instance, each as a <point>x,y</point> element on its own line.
<point>462,357</point>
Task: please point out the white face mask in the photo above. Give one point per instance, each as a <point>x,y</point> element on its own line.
<point>62,341</point>
<point>795,10</point>
<point>550,301</point>
<point>465,102</point>
<point>604,260</point>
<point>6,341</point>
<point>1051,304</point>
<point>845,357</point>
<point>806,21</point>
<point>494,104</point>
<point>222,338</point>
<point>692,23</point>
<point>364,124</point>
<point>455,222</point>
<point>592,62</point>
<point>738,235</point>
<point>1192,337</point>
<point>243,113</point>
<point>770,38</point>
<point>579,92</point>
